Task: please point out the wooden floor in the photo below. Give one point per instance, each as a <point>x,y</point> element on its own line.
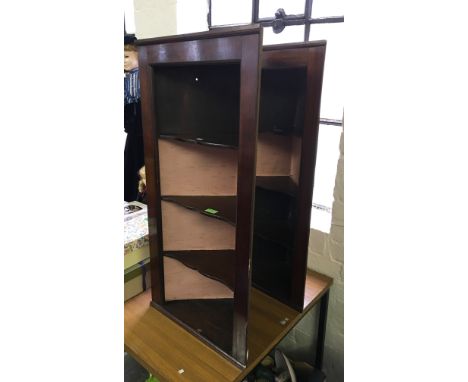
<point>172,354</point>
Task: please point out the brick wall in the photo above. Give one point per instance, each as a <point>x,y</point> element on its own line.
<point>326,255</point>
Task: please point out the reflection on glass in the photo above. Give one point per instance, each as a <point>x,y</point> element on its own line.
<point>292,33</point>
<point>325,8</point>
<point>225,12</point>
<point>267,8</point>
<point>333,80</point>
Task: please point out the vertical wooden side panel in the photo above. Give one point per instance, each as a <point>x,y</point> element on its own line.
<point>296,145</point>
<point>248,131</point>
<point>315,64</point>
<point>152,175</point>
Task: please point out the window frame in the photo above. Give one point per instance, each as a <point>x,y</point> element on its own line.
<point>300,19</point>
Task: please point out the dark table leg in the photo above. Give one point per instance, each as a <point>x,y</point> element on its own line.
<point>321,330</point>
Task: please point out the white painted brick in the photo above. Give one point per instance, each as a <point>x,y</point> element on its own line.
<point>338,213</point>
<point>338,191</point>
<point>333,364</point>
<point>335,319</point>
<point>334,341</point>
<point>337,233</point>
<point>317,241</point>
<point>337,291</point>
<point>325,265</point>
<point>342,143</point>
<point>336,250</point>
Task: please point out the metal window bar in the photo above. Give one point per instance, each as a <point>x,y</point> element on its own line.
<point>302,19</point>
<point>334,122</point>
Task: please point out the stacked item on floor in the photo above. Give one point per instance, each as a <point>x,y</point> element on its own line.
<point>283,369</point>
<point>136,249</point>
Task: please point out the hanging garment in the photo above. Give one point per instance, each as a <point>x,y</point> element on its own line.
<point>133,154</point>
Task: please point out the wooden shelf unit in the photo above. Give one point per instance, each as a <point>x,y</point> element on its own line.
<point>230,132</point>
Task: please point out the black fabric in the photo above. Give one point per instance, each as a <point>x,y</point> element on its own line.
<point>133,155</point>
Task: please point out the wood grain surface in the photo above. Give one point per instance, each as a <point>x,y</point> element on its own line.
<point>165,348</point>
<point>185,229</point>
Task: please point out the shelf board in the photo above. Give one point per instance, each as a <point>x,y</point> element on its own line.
<point>225,141</point>
<point>216,264</point>
<point>219,207</point>
<point>210,319</point>
<point>283,184</point>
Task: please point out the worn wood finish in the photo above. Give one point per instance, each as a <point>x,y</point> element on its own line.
<point>189,230</point>
<point>273,155</point>
<point>229,45</point>
<point>218,265</point>
<point>278,155</point>
<point>189,169</point>
<point>164,348</point>
<point>184,283</point>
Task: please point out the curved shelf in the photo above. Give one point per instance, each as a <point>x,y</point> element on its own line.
<point>218,207</point>
<point>215,264</point>
<point>228,142</point>
<point>283,184</point>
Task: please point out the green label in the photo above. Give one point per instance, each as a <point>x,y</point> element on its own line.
<point>211,211</point>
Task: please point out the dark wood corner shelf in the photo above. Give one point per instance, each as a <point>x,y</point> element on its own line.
<point>283,184</point>
<point>225,206</point>
<point>216,264</point>
<point>228,142</point>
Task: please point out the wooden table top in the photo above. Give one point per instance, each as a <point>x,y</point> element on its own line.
<point>170,353</point>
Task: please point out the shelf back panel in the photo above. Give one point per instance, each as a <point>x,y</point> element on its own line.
<point>185,283</point>
<point>185,229</point>
<point>198,101</point>
<point>278,155</point>
<point>191,169</point>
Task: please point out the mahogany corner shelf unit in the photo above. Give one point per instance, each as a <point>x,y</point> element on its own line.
<point>230,134</point>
